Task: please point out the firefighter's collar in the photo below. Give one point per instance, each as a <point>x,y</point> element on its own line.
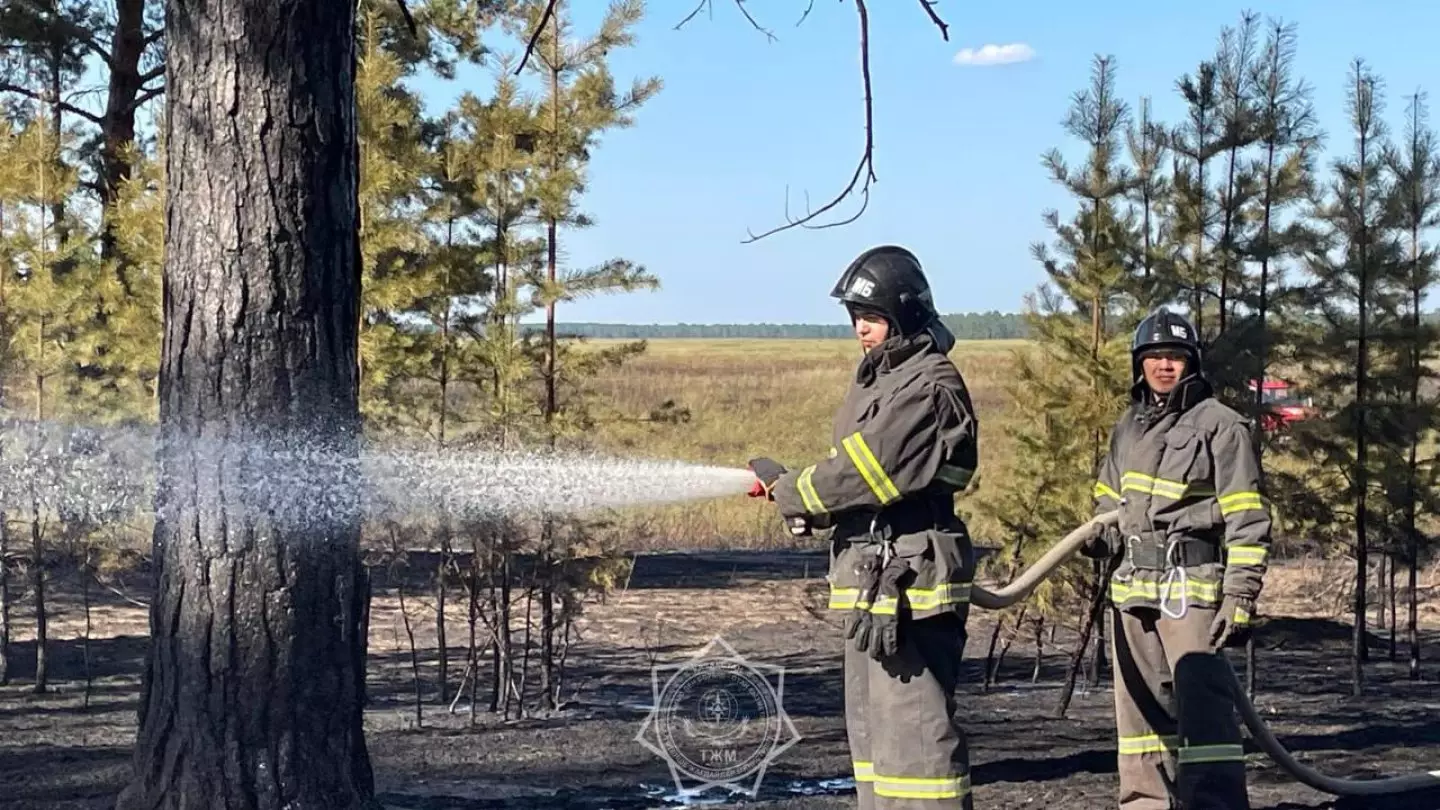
<point>891,353</point>
<point>1188,393</point>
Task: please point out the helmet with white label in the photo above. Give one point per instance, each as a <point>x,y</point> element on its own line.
<point>888,280</point>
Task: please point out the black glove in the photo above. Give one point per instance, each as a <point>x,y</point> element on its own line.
<point>1102,543</point>
<point>767,472</point>
<point>885,614</point>
<point>858,624</point>
<point>1231,626</point>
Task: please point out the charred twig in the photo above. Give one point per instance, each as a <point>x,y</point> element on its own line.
<point>535,35</point>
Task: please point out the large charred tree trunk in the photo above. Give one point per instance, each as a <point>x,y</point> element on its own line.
<point>254,684</point>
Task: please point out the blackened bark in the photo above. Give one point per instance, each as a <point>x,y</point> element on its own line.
<point>253,686</point>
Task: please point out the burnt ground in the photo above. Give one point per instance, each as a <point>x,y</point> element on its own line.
<point>57,753</point>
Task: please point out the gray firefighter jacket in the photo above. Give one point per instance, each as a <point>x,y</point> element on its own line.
<point>1185,476</point>
<point>904,442</point>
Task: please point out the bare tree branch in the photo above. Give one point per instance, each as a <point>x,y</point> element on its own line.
<point>535,35</point>
<point>740,4</point>
<point>701,6</point>
<point>929,6</point>
<point>808,8</point>
<point>865,168</point>
<point>145,96</point>
<point>704,5</point>
<point>410,20</point>
<point>6,87</point>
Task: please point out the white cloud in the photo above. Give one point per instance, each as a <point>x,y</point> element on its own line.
<point>995,54</point>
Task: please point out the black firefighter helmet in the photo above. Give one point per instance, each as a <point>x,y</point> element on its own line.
<point>1163,328</point>
<point>888,280</point>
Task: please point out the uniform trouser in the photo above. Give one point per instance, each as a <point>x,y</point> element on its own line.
<point>1159,729</point>
<point>908,751</point>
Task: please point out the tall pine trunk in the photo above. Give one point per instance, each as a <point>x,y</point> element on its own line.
<point>253,690</point>
<point>1359,653</point>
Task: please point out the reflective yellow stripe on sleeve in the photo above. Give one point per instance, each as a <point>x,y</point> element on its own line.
<point>1246,555</point>
<point>1239,502</point>
<point>869,468</point>
<point>1103,490</point>
<point>808,496</point>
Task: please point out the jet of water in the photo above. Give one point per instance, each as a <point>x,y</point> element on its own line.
<point>103,473</point>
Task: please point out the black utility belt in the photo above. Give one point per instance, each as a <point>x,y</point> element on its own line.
<point>903,518</point>
<point>1159,554</point>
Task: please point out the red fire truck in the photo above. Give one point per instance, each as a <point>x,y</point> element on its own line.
<point>1281,404</point>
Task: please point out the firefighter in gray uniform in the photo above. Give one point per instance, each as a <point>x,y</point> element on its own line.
<point>901,561</point>
<point>1193,536</point>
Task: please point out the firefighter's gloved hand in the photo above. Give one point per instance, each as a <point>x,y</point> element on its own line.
<point>1232,622</point>
<point>885,621</point>
<point>767,472</point>
<point>858,625</point>
<point>1102,541</point>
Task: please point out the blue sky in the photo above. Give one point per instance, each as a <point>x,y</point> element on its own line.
<point>957,147</point>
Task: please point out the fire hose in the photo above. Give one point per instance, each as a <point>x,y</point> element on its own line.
<point>1026,582</point>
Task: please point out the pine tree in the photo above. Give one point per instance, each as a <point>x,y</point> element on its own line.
<point>1238,131</point>
<point>1355,291</point>
<point>1194,146</point>
<point>1149,199</point>
<point>1289,141</point>
<point>263,582</point>
<point>1092,275</point>
<point>1415,166</point>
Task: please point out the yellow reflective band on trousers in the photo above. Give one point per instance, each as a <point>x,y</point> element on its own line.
<point>1246,555</point>
<point>1194,589</point>
<point>947,593</point>
<point>921,787</point>
<point>1161,488</point>
<point>808,496</point>
<point>1146,744</point>
<point>1103,490</point>
<point>1240,502</point>
<point>1197,754</point>
<point>869,468</point>
<point>864,771</point>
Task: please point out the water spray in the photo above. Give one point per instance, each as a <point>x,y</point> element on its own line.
<point>99,474</point>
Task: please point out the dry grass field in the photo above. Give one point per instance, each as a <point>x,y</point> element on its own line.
<point>733,400</point>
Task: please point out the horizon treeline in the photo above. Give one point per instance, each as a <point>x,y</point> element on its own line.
<point>1297,252</point>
